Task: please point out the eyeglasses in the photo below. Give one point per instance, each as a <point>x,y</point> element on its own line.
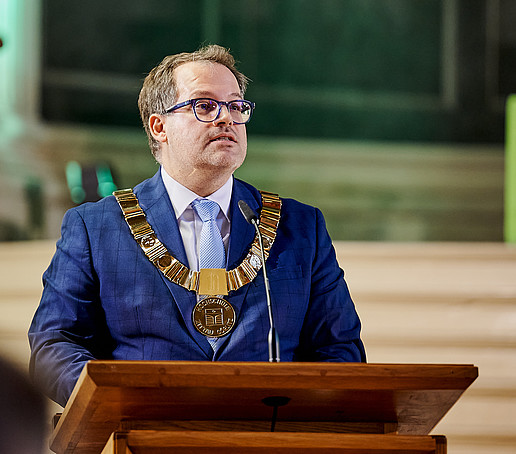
<point>208,110</point>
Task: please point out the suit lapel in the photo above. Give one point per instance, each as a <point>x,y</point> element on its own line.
<point>155,202</point>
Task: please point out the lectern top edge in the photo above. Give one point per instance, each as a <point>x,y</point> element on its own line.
<point>342,375</point>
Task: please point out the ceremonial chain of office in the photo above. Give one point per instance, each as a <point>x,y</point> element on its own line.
<point>180,274</point>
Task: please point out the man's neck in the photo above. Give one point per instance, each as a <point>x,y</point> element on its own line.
<point>205,188</point>
<point>181,196</point>
<point>201,185</point>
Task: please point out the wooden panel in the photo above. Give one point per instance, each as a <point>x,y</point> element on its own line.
<point>263,426</point>
<point>158,442</point>
<point>117,444</point>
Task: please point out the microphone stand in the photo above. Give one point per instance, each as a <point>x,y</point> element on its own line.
<point>273,339</point>
<point>274,350</point>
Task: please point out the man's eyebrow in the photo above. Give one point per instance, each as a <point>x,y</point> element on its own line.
<point>209,94</point>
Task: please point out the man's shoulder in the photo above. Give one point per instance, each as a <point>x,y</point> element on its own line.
<point>293,212</point>
<point>150,184</point>
<point>92,215</point>
<point>244,185</point>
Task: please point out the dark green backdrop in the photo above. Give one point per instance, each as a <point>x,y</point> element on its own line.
<point>421,70</point>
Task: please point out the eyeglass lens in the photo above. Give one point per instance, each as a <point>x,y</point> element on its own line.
<point>208,110</point>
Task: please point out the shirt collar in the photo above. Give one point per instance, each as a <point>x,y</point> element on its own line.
<point>181,197</point>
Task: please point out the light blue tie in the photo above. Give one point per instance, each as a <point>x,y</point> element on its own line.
<point>211,247</point>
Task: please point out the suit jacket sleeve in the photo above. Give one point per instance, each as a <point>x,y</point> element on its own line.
<point>69,327</point>
<point>331,330</point>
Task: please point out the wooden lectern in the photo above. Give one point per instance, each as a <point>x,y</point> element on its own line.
<point>136,407</point>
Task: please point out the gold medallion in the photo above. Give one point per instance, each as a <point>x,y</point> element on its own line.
<point>213,317</point>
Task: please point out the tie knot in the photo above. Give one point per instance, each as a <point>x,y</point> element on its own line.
<point>206,209</point>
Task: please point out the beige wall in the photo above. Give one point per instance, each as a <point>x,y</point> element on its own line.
<point>445,303</point>
<point>419,303</point>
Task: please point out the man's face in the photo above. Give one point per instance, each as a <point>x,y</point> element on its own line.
<point>195,151</point>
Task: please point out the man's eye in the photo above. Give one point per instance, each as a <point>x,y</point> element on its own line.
<point>205,106</point>
<point>241,107</point>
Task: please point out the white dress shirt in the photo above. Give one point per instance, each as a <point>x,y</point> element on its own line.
<point>190,224</point>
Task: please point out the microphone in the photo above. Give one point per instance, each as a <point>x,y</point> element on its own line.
<point>273,339</point>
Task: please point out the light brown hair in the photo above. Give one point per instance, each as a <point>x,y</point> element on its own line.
<point>159,90</point>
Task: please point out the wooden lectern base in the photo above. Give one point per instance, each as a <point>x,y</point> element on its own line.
<point>195,442</point>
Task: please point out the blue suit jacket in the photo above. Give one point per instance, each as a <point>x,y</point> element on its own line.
<point>103,299</point>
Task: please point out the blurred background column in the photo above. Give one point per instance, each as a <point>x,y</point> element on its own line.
<point>21,211</point>
<point>19,65</point>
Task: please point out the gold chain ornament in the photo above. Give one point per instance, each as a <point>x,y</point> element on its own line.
<point>180,274</point>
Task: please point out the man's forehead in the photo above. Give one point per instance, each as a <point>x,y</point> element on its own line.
<point>203,77</point>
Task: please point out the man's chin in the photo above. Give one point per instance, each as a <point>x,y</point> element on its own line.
<point>226,156</point>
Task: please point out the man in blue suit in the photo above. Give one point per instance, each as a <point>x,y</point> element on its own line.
<point>125,282</point>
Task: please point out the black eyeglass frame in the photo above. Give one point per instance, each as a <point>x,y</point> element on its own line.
<point>219,103</point>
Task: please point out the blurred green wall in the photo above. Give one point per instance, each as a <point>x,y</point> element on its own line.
<point>386,114</point>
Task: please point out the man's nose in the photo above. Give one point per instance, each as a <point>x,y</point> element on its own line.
<point>224,117</point>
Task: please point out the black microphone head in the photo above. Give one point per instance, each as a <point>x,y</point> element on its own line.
<point>248,214</point>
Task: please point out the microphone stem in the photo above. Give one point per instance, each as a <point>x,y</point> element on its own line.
<point>274,352</point>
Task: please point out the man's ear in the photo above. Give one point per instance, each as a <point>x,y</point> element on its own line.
<point>157,128</point>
